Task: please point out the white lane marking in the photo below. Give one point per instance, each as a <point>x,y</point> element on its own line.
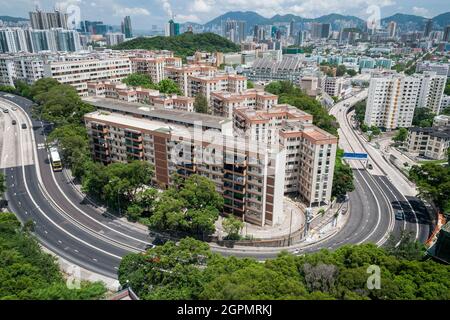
<point>46,216</point>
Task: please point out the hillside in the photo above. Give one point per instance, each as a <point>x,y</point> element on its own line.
<point>442,20</point>
<point>182,45</point>
<point>12,19</point>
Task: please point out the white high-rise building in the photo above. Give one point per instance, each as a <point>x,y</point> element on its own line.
<point>432,88</point>
<point>393,98</point>
<point>391,101</point>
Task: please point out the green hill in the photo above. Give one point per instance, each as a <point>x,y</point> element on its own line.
<point>182,45</point>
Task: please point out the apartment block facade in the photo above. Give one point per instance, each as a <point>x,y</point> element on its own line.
<point>246,177</point>
<point>223,104</point>
<point>393,98</point>
<point>391,101</point>
<point>78,73</point>
<point>256,158</point>
<point>150,97</point>
<point>432,143</point>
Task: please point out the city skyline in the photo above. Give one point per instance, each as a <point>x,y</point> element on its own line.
<point>144,14</point>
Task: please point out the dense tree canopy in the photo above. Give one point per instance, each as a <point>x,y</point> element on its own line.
<point>433,182</point>
<point>343,177</point>
<point>190,271</point>
<point>142,80</point>
<point>423,117</point>
<point>192,209</point>
<point>183,45</point>
<point>27,273</point>
<point>201,104</point>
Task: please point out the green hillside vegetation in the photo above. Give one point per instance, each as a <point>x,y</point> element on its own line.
<point>26,273</point>
<point>183,45</point>
<point>189,270</point>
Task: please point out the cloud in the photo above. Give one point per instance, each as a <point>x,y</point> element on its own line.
<point>187,18</point>
<point>167,8</point>
<point>421,11</point>
<point>202,6</point>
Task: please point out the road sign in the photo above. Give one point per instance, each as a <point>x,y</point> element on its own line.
<point>355,156</point>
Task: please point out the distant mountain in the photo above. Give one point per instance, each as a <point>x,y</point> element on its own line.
<point>12,19</point>
<point>338,21</point>
<point>251,18</point>
<point>442,20</point>
<point>406,21</point>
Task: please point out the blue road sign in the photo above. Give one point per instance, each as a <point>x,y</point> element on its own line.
<point>355,156</point>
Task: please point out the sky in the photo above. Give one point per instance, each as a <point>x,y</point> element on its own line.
<point>145,13</point>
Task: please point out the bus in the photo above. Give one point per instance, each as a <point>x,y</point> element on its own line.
<point>55,159</point>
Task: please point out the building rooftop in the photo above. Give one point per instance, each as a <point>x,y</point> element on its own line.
<point>156,112</point>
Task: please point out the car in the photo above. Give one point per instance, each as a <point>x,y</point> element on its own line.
<point>24,126</point>
<point>149,246</point>
<point>399,215</point>
<point>14,122</point>
<point>14,108</point>
<point>5,110</point>
<point>369,166</point>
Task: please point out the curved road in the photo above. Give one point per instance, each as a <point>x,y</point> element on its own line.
<point>70,226</point>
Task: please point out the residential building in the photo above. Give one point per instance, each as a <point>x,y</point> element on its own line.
<point>122,92</point>
<point>432,88</point>
<point>441,69</point>
<point>431,143</point>
<point>78,72</point>
<point>113,39</point>
<point>219,82</point>
<point>269,69</point>
<point>181,74</point>
<point>224,104</point>
<point>25,67</point>
<point>246,176</point>
<point>310,152</point>
<point>392,29</point>
<point>234,30</point>
<point>334,86</point>
<point>391,101</point>
<point>48,20</point>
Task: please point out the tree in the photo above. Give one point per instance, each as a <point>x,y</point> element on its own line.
<point>232,226</point>
<point>139,80</point>
<point>27,273</point>
<point>405,247</point>
<point>433,183</point>
<point>2,184</point>
<point>423,117</point>
<point>340,70</point>
<point>250,84</point>
<point>169,86</point>
<point>351,72</point>
<point>189,270</point>
<point>201,104</point>
<point>401,135</point>
<point>342,178</point>
<point>375,130</point>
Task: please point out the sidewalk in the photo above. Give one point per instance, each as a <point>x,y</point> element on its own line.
<point>291,209</point>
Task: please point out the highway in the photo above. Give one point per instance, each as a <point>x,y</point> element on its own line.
<point>60,224</point>
<point>67,224</point>
<point>383,177</point>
